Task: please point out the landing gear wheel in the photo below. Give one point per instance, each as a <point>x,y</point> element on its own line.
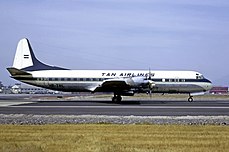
<point>190,99</point>
<point>117,98</point>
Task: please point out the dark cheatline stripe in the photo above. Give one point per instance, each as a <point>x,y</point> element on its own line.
<point>186,80</point>
<point>197,80</point>
<point>25,78</point>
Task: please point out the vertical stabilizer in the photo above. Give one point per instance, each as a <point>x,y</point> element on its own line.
<point>23,57</point>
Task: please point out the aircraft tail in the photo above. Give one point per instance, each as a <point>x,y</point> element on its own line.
<point>25,58</point>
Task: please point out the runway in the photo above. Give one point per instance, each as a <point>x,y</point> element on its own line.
<point>106,107</point>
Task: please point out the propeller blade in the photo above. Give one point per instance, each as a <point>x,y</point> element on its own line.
<point>150,94</point>
<point>149,78</point>
<point>151,85</point>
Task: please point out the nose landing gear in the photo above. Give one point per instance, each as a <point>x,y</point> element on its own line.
<point>190,99</point>
<point>116,98</point>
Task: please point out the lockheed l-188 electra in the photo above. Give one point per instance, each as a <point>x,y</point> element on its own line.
<point>28,69</point>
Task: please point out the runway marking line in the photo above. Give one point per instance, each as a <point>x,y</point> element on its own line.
<point>7,104</point>
<point>124,107</point>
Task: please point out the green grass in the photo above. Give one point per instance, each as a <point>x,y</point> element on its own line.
<point>113,138</point>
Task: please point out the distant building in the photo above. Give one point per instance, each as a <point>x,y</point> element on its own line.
<point>1,87</point>
<point>33,90</point>
<point>219,90</point>
<point>16,89</point>
<point>25,89</point>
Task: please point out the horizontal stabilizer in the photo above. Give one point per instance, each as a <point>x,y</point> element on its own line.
<point>16,72</point>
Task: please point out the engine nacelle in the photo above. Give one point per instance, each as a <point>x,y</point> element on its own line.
<point>138,81</point>
<point>141,82</point>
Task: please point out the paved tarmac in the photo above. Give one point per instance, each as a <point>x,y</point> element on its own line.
<point>106,107</point>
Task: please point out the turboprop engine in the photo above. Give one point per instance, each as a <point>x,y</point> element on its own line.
<point>141,82</point>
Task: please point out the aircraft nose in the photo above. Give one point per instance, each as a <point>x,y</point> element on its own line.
<point>208,85</point>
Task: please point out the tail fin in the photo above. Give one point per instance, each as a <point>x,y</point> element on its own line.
<point>23,56</point>
<point>25,59</point>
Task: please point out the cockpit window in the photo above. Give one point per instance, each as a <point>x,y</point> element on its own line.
<point>199,76</point>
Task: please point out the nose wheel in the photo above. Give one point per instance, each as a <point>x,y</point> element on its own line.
<point>190,99</point>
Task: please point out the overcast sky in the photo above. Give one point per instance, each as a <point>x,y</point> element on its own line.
<point>120,34</point>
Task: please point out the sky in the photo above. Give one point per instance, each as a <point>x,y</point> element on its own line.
<point>120,34</point>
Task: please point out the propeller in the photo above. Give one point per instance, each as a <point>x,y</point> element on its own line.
<point>149,77</point>
<point>151,84</point>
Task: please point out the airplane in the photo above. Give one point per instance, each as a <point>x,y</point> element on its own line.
<point>28,69</point>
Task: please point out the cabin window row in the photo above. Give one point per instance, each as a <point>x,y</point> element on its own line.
<point>71,79</point>
<point>102,79</point>
<point>173,80</point>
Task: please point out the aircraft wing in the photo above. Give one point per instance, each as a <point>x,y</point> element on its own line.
<point>113,85</point>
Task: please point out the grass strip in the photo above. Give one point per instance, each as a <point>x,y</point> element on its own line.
<point>113,138</point>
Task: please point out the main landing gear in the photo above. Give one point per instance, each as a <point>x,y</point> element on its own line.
<point>117,98</point>
<point>190,99</point>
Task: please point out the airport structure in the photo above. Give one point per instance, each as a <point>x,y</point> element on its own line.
<point>1,87</point>
<point>18,88</point>
<point>219,90</point>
